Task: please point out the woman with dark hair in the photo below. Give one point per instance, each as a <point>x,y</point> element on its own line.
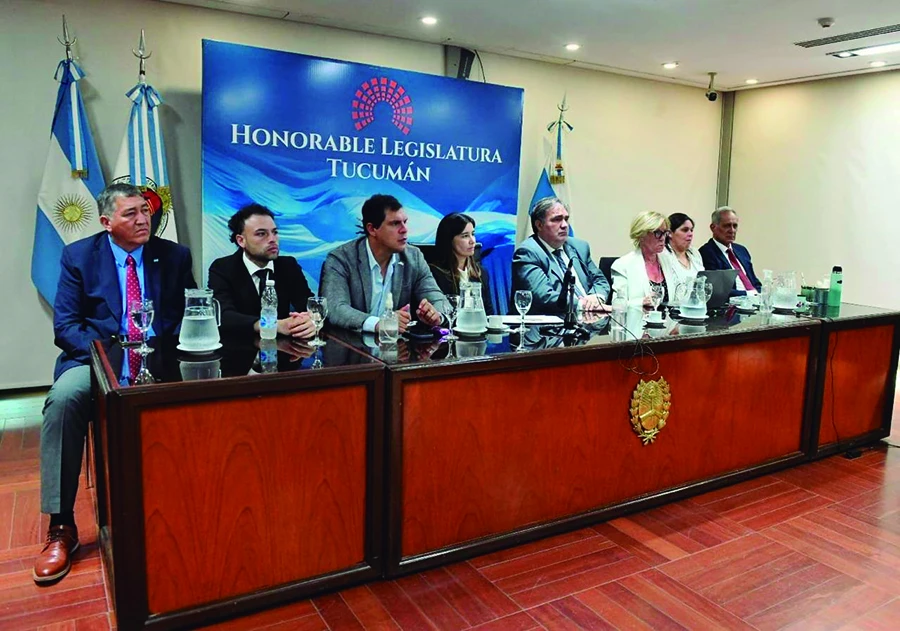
<point>455,255</point>
<point>682,260</point>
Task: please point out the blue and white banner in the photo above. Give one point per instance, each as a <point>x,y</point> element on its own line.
<point>67,206</point>
<point>142,156</point>
<point>313,138</point>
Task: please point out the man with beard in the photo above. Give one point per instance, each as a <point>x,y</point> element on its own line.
<point>238,280</point>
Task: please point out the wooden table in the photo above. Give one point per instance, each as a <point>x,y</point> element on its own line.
<point>497,450</point>
<point>223,496</point>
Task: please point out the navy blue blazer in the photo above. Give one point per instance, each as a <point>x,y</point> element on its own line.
<point>88,303</point>
<point>713,258</point>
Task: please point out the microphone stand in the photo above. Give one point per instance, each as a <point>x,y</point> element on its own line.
<point>572,332</point>
<point>570,320</point>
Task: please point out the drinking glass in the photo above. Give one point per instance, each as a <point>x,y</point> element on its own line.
<point>141,314</point>
<point>523,304</point>
<point>144,377</point>
<point>317,307</point>
<point>453,301</point>
<point>317,360</point>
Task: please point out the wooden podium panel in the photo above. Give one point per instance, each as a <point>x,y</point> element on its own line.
<point>228,495</point>
<point>858,378</point>
<point>249,493</point>
<point>501,450</point>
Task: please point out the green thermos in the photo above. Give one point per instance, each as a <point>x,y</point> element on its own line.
<point>837,285</point>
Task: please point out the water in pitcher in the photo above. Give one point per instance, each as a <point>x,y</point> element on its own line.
<point>198,329</point>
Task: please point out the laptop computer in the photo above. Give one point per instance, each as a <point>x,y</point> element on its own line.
<point>722,281</point>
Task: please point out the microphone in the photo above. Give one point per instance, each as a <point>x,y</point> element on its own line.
<point>562,303</point>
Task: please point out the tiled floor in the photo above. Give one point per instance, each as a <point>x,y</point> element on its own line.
<point>815,547</point>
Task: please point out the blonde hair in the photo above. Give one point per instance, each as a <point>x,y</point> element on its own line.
<point>645,223</point>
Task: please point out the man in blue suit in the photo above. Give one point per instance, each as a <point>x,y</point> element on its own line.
<point>721,252</point>
<point>91,305</point>
<point>540,262</point>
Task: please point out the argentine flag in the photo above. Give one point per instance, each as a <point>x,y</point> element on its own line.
<point>142,156</point>
<point>67,201</point>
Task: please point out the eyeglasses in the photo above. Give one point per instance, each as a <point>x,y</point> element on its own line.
<point>659,234</point>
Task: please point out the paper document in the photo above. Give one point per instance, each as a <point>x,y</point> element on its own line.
<point>533,319</point>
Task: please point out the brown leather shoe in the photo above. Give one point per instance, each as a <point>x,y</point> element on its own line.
<point>55,559</point>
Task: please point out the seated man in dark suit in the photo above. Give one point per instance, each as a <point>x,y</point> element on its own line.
<point>238,280</point>
<point>357,276</point>
<point>99,277</point>
<point>540,262</point>
<point>721,252</point>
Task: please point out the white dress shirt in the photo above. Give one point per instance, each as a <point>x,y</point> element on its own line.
<point>378,288</point>
<point>252,268</point>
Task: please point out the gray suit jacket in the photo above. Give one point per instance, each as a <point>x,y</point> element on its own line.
<point>347,284</point>
<point>533,269</point>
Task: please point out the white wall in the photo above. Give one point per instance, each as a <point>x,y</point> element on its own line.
<point>637,144</point>
<point>816,180</point>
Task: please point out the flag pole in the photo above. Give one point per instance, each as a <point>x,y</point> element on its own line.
<point>559,176</point>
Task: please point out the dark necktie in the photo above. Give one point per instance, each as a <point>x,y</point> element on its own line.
<point>740,270</point>
<point>560,261</point>
<point>261,275</point>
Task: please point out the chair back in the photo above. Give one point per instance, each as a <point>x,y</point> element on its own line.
<point>605,265</point>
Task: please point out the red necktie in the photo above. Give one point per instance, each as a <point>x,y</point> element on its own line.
<point>132,294</point>
<point>740,270</point>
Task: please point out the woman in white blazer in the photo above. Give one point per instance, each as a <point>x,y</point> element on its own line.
<point>679,258</point>
<point>635,273</point>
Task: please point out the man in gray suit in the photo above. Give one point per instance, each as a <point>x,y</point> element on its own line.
<point>355,275</point>
<point>540,262</point>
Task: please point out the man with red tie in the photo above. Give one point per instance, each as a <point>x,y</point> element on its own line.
<point>721,252</point>
<point>100,276</point>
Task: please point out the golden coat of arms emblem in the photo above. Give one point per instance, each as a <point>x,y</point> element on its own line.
<point>650,405</point>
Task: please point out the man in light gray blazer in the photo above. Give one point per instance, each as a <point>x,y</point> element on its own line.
<point>540,262</point>
<point>356,276</point>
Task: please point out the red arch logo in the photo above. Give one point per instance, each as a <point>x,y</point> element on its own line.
<point>382,90</point>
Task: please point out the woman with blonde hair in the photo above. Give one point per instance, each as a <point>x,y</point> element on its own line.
<point>638,272</point>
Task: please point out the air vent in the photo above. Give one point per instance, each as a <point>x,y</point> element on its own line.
<point>846,37</point>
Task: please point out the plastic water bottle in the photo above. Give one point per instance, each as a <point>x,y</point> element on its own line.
<point>388,327</point>
<point>268,316</point>
<point>836,286</point>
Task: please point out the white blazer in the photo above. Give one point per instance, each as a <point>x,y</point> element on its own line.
<point>630,278</point>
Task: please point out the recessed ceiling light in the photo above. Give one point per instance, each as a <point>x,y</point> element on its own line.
<point>429,20</point>
<point>878,64</point>
<point>751,81</point>
<point>871,50</point>
<point>573,47</point>
<point>670,65</point>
